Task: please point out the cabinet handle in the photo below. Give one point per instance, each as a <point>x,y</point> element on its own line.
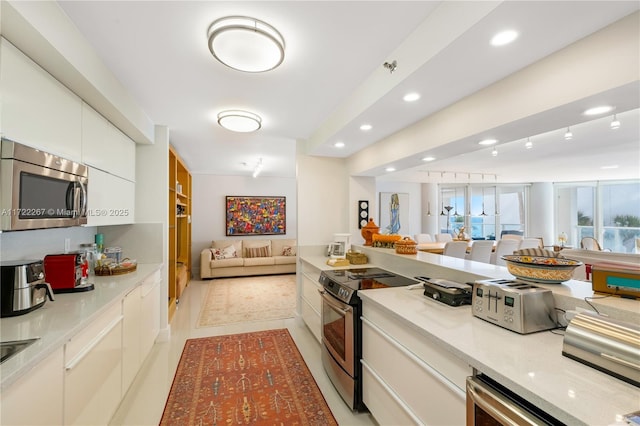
<point>93,343</point>
<point>392,394</point>
<point>433,372</point>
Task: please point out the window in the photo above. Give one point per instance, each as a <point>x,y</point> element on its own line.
<point>620,216</point>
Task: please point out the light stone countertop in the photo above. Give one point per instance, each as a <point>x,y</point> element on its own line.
<point>56,322</point>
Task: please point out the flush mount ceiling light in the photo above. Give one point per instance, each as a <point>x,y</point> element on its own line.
<point>366,127</point>
<point>568,135</point>
<point>239,121</point>
<point>504,37</point>
<point>411,97</point>
<point>428,159</point>
<point>598,110</point>
<point>487,142</point>
<point>390,169</point>
<point>339,144</point>
<point>615,123</point>
<point>246,44</point>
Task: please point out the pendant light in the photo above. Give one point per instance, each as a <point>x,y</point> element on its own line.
<point>442,213</point>
<point>483,213</point>
<point>455,200</point>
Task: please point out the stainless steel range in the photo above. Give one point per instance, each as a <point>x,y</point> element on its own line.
<point>342,327</point>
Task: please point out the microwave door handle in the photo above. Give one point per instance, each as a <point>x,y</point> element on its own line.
<point>83,199</point>
<point>70,197</point>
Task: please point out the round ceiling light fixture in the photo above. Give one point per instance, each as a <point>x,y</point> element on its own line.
<point>246,44</point>
<point>239,121</point>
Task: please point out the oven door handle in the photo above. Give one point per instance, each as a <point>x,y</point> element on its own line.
<point>328,299</point>
<point>501,408</point>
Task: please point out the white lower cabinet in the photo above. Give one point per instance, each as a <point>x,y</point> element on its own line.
<point>36,398</point>
<point>408,379</point>
<point>150,313</point>
<point>131,323</point>
<point>311,305</point>
<point>93,371</point>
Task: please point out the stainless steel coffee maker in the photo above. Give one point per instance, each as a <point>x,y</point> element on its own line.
<point>22,287</point>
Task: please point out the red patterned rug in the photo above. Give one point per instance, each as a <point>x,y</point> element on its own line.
<point>255,378</point>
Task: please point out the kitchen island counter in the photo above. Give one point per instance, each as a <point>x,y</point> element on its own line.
<point>56,322</point>
<point>530,365</point>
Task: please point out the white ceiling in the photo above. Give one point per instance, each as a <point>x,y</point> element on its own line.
<point>326,87</point>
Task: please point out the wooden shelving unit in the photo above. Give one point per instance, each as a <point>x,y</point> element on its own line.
<point>179,228</point>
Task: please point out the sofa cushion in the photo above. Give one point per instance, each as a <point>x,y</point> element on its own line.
<point>280,245</point>
<point>284,260</point>
<point>228,252</point>
<point>259,261</point>
<point>251,252</point>
<point>225,263</point>
<point>221,244</point>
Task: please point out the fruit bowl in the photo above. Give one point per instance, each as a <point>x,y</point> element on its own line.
<point>539,269</point>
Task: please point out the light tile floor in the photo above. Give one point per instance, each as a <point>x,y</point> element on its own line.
<point>144,402</point>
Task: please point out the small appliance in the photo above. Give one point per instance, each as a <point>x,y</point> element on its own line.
<point>448,292</point>
<point>22,287</point>
<point>67,272</point>
<point>515,305</point>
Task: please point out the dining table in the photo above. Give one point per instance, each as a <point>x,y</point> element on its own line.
<point>437,247</point>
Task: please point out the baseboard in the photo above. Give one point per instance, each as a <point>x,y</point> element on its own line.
<point>164,335</point>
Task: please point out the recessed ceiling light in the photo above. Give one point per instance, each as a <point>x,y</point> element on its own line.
<point>246,44</point>
<point>487,142</point>
<point>366,127</point>
<point>428,158</point>
<point>239,121</point>
<point>411,97</point>
<point>339,144</point>
<point>504,37</point>
<point>598,110</point>
<point>390,169</point>
<point>613,166</point>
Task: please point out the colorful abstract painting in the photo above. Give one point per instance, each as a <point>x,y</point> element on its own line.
<point>256,215</point>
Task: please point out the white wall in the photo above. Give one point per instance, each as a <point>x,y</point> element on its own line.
<point>36,244</point>
<point>208,206</point>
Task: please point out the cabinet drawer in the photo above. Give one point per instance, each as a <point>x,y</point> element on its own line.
<point>149,283</point>
<point>310,293</point>
<point>90,334</point>
<point>382,402</point>
<point>441,360</point>
<point>312,318</point>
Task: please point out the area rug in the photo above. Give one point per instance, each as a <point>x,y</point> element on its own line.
<point>256,378</point>
<point>234,300</point>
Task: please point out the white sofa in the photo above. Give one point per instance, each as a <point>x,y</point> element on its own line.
<point>243,257</point>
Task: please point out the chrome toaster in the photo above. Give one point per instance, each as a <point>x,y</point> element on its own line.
<point>515,305</point>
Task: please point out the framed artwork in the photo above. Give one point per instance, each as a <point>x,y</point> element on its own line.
<point>394,213</point>
<point>255,215</point>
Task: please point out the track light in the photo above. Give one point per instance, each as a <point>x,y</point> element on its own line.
<point>494,152</point>
<point>529,144</point>
<point>615,123</point>
<point>568,135</point>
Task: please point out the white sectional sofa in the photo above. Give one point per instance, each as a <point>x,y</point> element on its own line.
<point>242,257</point>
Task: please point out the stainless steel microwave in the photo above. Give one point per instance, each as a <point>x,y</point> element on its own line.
<point>40,190</point>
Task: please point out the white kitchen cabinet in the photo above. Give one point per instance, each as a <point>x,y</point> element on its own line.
<point>37,110</point>
<point>36,397</point>
<point>150,320</point>
<point>131,330</point>
<point>407,376</point>
<point>93,371</point>
<point>311,305</point>
<point>111,199</point>
<point>105,147</point>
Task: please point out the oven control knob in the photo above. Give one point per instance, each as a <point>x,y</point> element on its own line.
<point>436,295</point>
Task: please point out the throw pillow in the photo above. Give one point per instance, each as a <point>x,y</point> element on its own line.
<point>264,251</point>
<point>229,252</point>
<point>288,251</point>
<point>216,253</point>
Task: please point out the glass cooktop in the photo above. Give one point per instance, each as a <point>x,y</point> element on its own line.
<point>355,279</point>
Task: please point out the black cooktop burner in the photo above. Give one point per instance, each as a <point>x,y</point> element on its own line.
<point>351,280</point>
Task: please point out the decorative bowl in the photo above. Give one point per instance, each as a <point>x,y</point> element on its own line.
<point>546,270</point>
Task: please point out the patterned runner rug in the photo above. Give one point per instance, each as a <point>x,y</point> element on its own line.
<point>233,300</point>
<point>256,378</point>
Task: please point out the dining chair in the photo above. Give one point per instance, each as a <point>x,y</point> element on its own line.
<point>590,243</point>
<point>455,249</point>
<point>536,252</point>
<point>443,238</point>
<point>512,237</point>
<point>423,238</point>
<point>480,251</point>
<point>529,243</point>
<point>504,246</point>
